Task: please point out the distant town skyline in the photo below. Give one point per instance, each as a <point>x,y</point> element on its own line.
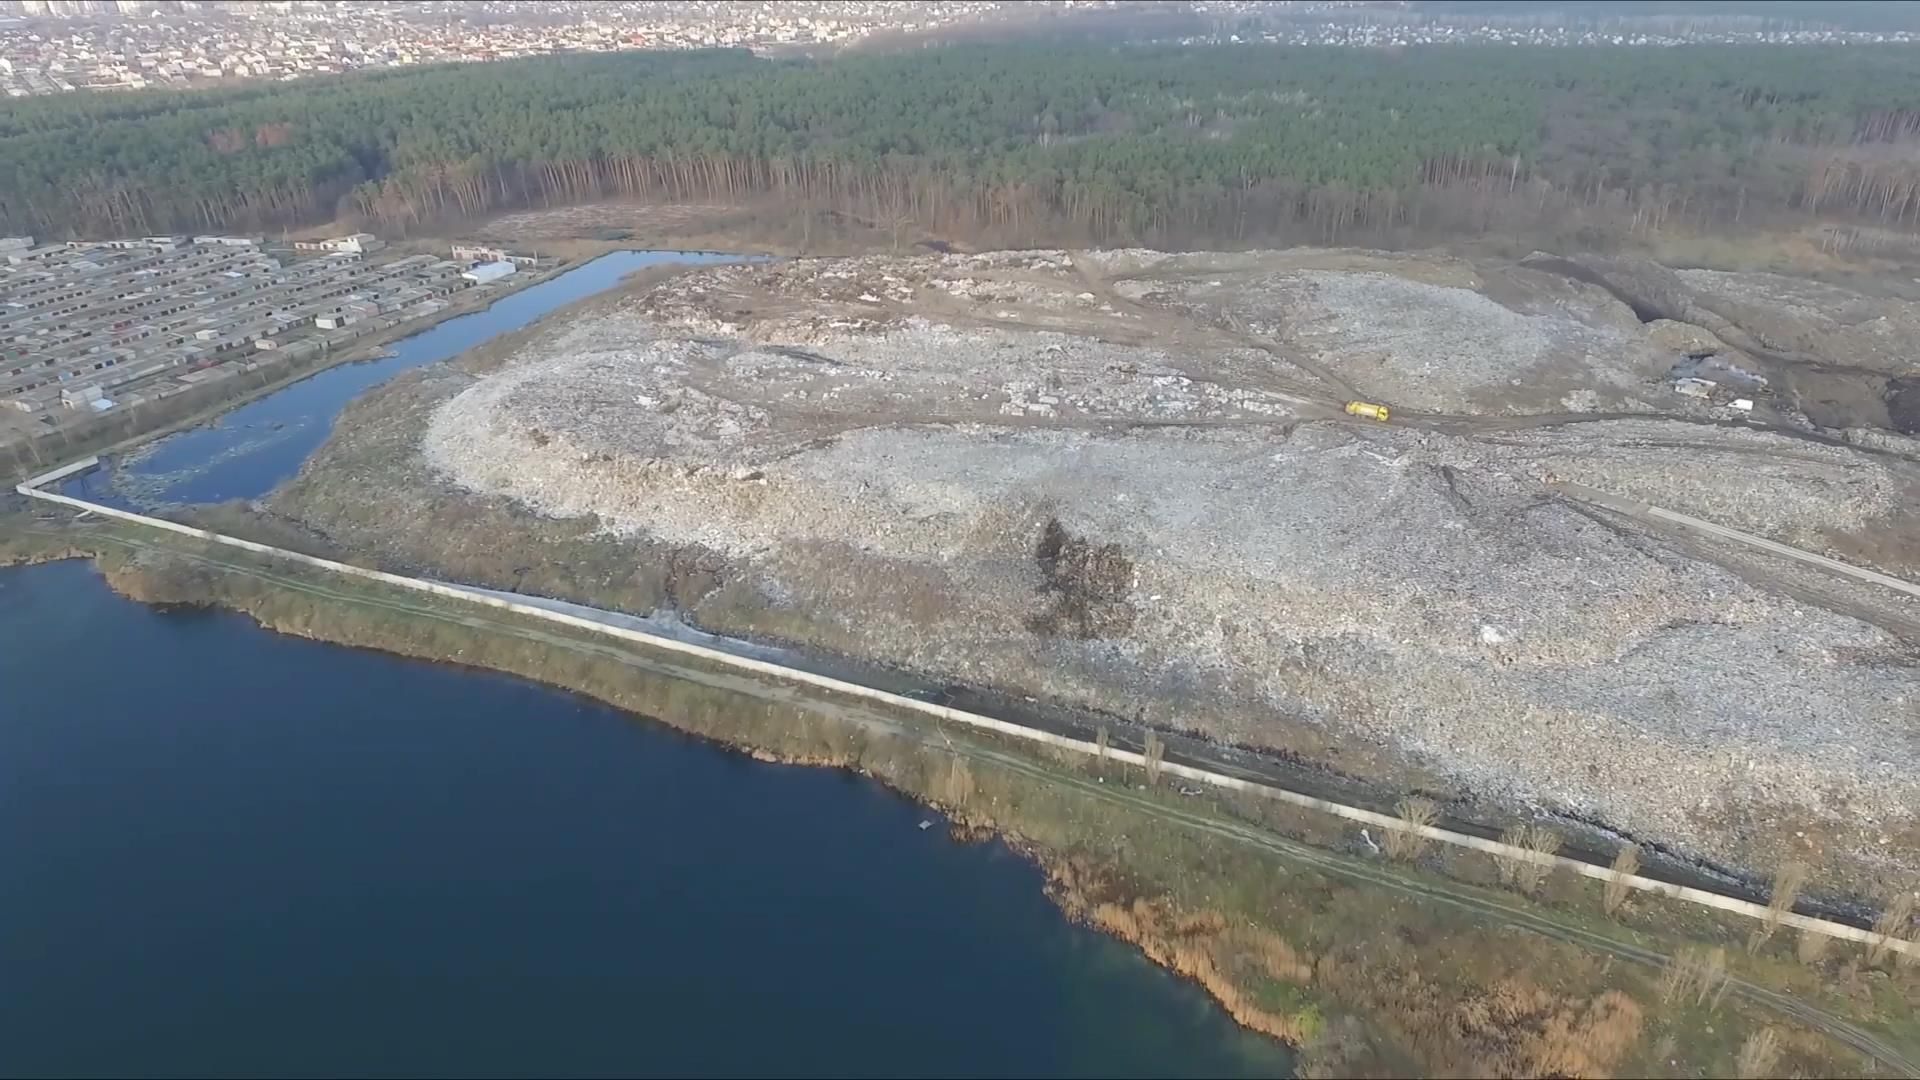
<point>58,46</point>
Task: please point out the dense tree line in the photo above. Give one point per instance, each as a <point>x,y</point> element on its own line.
<point>1097,142</point>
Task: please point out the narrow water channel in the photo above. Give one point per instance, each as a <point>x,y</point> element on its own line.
<point>252,449</point>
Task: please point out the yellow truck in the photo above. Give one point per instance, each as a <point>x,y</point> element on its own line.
<point>1367,409</point>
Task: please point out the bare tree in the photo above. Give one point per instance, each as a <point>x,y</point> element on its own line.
<point>1407,844</point>
<point>1156,752</point>
<point>1787,883</point>
<point>1625,865</point>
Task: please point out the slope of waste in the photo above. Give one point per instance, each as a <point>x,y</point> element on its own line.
<point>1124,481</point>
<point>1837,356</point>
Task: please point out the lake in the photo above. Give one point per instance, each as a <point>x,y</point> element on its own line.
<point>224,852</point>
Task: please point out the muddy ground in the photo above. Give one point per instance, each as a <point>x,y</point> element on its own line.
<point>1123,481</point>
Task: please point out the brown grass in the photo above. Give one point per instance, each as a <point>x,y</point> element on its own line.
<point>1696,972</point>
<point>1520,1029</point>
<point>1759,1055</point>
<point>1497,1021</point>
<point>1218,953</point>
<point>1892,925</point>
<point>1812,946</point>
<point>1404,844</point>
<point>959,784</point>
<point>1625,864</point>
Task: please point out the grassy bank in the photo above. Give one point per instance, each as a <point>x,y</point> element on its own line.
<point>1371,966</point>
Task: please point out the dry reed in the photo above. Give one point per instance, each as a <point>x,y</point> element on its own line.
<point>1406,844</point>
<point>1625,865</point>
<point>1891,926</point>
<point>1812,946</point>
<point>1696,972</point>
<point>1525,875</point>
<point>1787,883</point>
<point>959,782</point>
<point>1759,1056</point>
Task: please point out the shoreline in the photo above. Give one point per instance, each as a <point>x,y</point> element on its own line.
<point>1050,737</point>
<point>1162,896</point>
<point>362,350</point>
<point>956,625</point>
<point>1104,892</point>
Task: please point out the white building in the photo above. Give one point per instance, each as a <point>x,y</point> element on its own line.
<point>486,272</point>
<point>479,253</point>
<point>82,397</point>
<point>357,244</point>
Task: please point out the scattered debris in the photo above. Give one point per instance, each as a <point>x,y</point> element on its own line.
<point>904,467</point>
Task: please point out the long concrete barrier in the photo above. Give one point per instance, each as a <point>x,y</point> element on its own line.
<point>60,473</point>
<point>1495,848</point>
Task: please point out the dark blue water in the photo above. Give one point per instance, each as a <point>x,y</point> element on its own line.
<point>227,852</point>
<point>253,449</point>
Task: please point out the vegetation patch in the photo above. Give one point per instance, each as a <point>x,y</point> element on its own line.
<point>1084,587</point>
<point>1061,141</point>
